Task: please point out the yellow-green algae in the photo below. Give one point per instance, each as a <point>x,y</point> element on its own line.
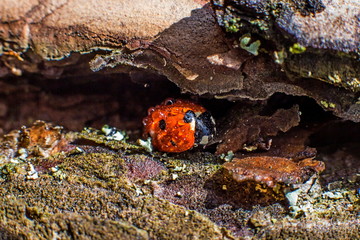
<point>326,104</point>
<point>297,48</point>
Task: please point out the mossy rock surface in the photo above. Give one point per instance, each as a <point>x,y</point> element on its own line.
<point>118,191</point>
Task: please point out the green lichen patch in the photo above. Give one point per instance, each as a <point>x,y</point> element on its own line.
<point>247,44</point>
<point>261,24</point>
<point>233,25</point>
<point>100,138</point>
<point>297,48</point>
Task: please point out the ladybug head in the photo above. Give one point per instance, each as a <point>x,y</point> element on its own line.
<point>204,128</point>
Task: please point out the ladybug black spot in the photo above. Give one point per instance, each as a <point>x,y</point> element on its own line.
<point>162,124</point>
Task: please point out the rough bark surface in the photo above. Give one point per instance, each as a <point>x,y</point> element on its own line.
<point>184,42</point>
<point>54,29</point>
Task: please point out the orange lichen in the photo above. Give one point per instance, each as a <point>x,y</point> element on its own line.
<point>14,54</point>
<point>273,170</point>
<point>42,139</point>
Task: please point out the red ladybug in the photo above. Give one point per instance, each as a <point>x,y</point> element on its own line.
<point>178,125</point>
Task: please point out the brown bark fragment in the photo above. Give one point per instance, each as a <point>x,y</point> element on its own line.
<point>273,170</point>
<point>253,131</point>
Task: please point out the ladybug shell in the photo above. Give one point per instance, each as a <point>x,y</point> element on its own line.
<point>172,125</point>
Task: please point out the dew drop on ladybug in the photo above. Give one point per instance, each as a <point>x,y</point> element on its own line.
<point>178,125</point>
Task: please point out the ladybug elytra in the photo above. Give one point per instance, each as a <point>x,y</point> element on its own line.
<point>178,125</point>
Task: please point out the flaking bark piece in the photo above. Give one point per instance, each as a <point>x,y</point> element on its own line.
<point>252,132</point>
<point>293,145</point>
<point>273,170</point>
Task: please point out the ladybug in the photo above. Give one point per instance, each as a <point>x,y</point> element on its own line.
<point>178,125</point>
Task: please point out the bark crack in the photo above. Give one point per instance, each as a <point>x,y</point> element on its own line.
<point>44,9</point>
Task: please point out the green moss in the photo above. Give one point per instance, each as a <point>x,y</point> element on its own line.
<point>97,198</point>
<point>10,169</point>
<point>63,201</point>
<point>7,169</point>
